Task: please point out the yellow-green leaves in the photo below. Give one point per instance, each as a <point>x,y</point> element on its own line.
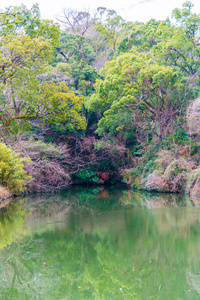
<point>24,93</point>
<point>19,54</point>
<point>18,20</point>
<point>60,104</point>
<point>136,87</point>
<point>12,173</point>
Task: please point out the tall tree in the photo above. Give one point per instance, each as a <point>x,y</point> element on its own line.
<point>179,44</point>
<point>17,20</point>
<point>77,22</point>
<point>110,25</point>
<point>137,94</point>
<point>23,94</point>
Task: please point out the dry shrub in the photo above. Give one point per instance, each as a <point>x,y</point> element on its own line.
<point>4,193</point>
<point>171,174</point>
<point>47,176</point>
<point>154,181</point>
<point>185,151</point>
<point>165,157</point>
<point>49,165</point>
<point>53,166</point>
<point>102,157</point>
<point>103,176</point>
<point>193,182</point>
<point>195,190</point>
<point>175,175</point>
<point>193,117</point>
<point>37,150</point>
<point>114,152</point>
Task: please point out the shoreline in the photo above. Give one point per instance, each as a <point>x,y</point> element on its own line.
<point>5,195</point>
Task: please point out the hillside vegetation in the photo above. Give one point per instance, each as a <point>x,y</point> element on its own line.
<point>99,100</point>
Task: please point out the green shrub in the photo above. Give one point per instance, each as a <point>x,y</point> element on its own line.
<point>180,137</point>
<point>12,173</point>
<point>148,168</point>
<point>86,176</point>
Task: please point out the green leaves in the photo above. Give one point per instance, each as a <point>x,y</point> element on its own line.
<point>12,173</point>
<point>187,20</point>
<point>57,103</point>
<point>24,57</point>
<point>78,54</point>
<point>136,86</point>
<point>179,45</point>
<point>111,26</point>
<point>18,20</point>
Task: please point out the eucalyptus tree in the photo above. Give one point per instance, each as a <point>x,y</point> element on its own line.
<point>110,25</point>
<point>77,22</point>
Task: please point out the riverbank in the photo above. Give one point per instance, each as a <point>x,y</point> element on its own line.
<point>4,195</point>
<point>46,167</point>
<point>168,173</point>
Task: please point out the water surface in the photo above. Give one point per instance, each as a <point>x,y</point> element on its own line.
<point>100,244</point>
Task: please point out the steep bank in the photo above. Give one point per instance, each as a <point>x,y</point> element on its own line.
<point>168,173</point>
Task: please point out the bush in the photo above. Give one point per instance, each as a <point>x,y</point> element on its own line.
<point>49,168</point>
<point>12,173</point>
<point>193,117</point>
<point>86,176</point>
<point>170,174</point>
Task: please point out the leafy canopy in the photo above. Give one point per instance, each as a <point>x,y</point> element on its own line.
<point>25,51</point>
<point>136,86</point>
<point>18,20</point>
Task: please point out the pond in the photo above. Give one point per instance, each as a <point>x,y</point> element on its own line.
<point>98,243</point>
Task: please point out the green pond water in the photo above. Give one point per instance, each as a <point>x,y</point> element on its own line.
<point>100,244</point>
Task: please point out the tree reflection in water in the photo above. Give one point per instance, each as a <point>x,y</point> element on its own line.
<point>100,244</point>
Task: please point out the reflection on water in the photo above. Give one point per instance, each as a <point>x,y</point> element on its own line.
<point>100,244</point>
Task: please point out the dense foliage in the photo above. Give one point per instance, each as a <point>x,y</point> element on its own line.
<point>114,93</point>
<point>12,173</point>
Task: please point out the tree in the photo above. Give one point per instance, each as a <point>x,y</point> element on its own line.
<point>137,94</point>
<point>141,35</point>
<point>23,93</point>
<point>77,22</point>
<point>21,54</point>
<point>77,53</point>
<point>110,26</point>
<point>85,37</point>
<point>187,20</point>
<point>179,44</point>
<point>18,20</point>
